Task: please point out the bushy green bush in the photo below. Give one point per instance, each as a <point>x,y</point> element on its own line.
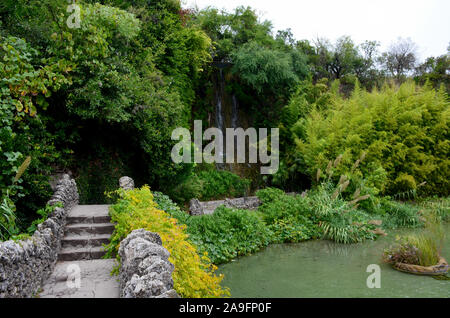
<point>322,212</point>
<point>166,204</point>
<point>210,185</point>
<point>269,195</point>
<point>228,233</point>
<point>194,275</point>
<point>319,214</point>
<point>25,85</point>
<point>224,235</point>
<point>218,184</point>
<point>118,72</point>
<point>290,230</point>
<point>403,132</point>
<point>398,214</point>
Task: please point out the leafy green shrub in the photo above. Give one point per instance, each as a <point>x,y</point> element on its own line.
<point>223,235</point>
<point>397,214</point>
<point>269,195</point>
<point>290,230</point>
<point>217,184</point>
<point>404,182</point>
<point>281,207</point>
<point>404,132</point>
<point>210,185</point>
<point>322,212</point>
<point>187,190</point>
<point>166,204</point>
<point>25,85</point>
<point>228,233</point>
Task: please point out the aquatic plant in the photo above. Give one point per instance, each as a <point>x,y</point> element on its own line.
<point>422,249</point>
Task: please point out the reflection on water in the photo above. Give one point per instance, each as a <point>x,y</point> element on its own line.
<point>326,269</point>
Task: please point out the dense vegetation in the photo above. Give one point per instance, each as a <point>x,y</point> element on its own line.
<point>329,211</point>
<point>99,101</point>
<point>403,132</point>
<point>194,274</point>
<point>210,184</point>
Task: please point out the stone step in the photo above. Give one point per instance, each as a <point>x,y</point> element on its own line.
<point>89,228</point>
<point>95,280</point>
<point>89,214</point>
<point>92,240</point>
<point>88,219</point>
<point>81,253</point>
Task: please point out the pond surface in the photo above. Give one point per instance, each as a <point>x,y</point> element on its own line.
<point>326,269</point>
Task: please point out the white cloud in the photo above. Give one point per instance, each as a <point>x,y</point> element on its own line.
<point>426,22</point>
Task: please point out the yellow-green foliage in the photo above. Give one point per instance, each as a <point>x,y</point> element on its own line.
<point>404,132</point>
<point>194,275</point>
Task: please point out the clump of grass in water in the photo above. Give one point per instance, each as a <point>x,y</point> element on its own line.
<point>431,241</point>
<point>427,245</point>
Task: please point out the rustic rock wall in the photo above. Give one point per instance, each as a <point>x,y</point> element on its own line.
<point>145,270</point>
<point>208,207</point>
<point>26,264</point>
<point>200,208</point>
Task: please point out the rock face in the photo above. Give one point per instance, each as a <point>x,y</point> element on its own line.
<point>145,271</point>
<point>126,183</point>
<point>24,265</point>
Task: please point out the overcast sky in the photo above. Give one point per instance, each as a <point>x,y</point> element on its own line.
<point>426,22</point>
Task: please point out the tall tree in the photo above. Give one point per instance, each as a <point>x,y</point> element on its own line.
<point>400,59</point>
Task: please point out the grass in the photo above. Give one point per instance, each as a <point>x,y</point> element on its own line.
<point>423,248</point>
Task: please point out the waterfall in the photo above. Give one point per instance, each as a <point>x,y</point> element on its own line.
<point>219,95</point>
<point>234,113</point>
<point>219,110</point>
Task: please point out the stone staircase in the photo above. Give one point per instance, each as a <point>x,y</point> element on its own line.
<point>87,228</point>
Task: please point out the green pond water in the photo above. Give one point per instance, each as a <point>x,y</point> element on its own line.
<point>326,269</point>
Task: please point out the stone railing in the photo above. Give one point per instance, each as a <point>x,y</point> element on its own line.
<point>246,203</point>
<point>145,270</point>
<point>26,264</point>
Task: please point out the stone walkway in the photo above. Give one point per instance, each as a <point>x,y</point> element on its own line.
<point>88,227</point>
